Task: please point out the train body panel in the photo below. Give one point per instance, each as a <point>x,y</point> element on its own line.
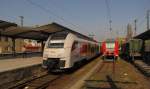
<point>147,46</point>
<point>132,49</point>
<point>146,52</point>
<point>65,52</point>
<point>135,46</point>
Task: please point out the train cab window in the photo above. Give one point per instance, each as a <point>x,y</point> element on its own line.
<point>110,45</point>
<point>55,45</point>
<point>74,46</point>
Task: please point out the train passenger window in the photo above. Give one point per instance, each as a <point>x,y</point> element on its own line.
<point>147,46</point>
<point>89,47</point>
<point>85,47</point>
<point>55,45</point>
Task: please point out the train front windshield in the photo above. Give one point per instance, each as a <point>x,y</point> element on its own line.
<point>110,45</point>
<point>55,45</point>
<point>57,40</point>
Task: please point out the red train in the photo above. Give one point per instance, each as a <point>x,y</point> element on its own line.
<point>30,48</point>
<point>110,49</point>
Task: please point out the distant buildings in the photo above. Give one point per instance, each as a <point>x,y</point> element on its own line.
<point>6,45</point>
<point>129,32</point>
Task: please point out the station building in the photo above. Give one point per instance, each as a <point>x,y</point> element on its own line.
<point>10,41</point>
<point>21,45</point>
<point>6,45</point>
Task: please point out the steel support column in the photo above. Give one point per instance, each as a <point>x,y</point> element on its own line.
<point>13,46</point>
<point>42,46</point>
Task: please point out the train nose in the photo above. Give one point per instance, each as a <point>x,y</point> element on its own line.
<point>57,53</point>
<point>54,63</point>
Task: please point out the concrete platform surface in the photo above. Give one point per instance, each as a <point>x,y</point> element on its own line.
<point>11,64</point>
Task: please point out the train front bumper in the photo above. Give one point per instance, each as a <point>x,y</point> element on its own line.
<point>54,63</point>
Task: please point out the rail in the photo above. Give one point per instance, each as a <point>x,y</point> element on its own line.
<point>38,83</point>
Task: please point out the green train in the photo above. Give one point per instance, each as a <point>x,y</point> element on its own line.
<point>146,52</point>
<point>136,49</point>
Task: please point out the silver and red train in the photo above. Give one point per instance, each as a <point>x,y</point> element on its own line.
<point>65,50</point>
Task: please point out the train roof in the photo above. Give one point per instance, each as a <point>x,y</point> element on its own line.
<point>144,36</point>
<point>9,29</point>
<point>74,32</point>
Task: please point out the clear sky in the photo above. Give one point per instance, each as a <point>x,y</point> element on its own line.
<point>88,16</point>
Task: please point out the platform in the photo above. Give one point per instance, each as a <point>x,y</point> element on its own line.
<point>19,70</point>
<point>17,63</point>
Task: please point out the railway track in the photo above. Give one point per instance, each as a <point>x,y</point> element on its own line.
<point>38,83</point>
<point>142,67</point>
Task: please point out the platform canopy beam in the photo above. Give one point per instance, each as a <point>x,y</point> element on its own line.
<point>4,24</point>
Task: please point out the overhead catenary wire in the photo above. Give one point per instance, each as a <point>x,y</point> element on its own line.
<point>52,13</point>
<point>109,13</point>
<point>141,21</point>
<point>147,17</point>
<point>68,14</point>
<point>62,9</point>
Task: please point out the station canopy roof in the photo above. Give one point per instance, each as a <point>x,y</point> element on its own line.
<point>36,33</point>
<point>145,35</point>
<point>4,24</point>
